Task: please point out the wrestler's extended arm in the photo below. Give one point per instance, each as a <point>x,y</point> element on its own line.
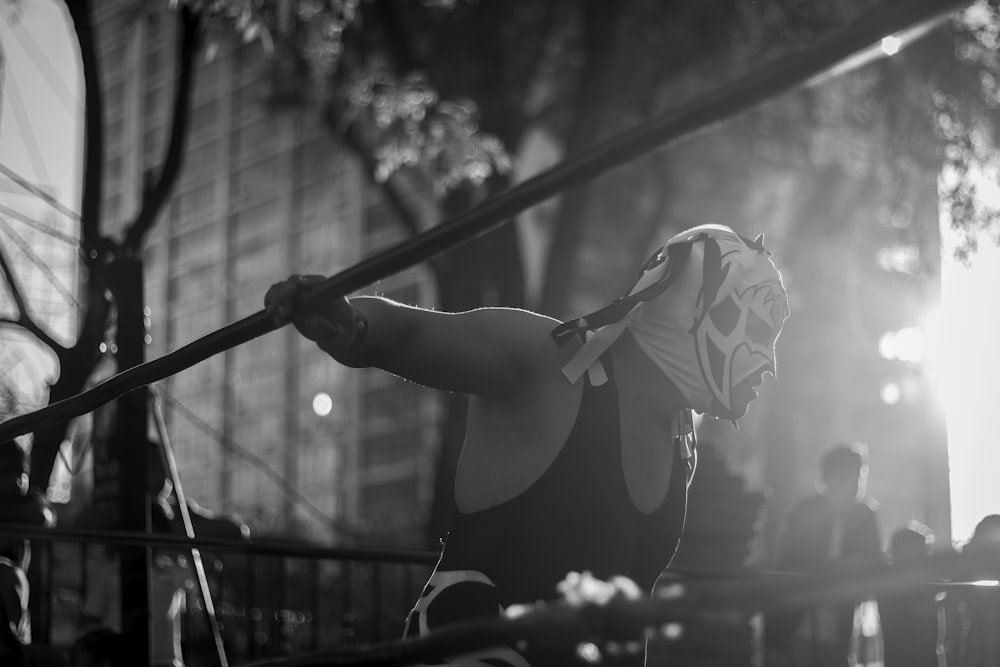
<point>489,352</point>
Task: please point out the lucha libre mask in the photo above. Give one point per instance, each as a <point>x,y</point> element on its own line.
<point>743,308</point>
<point>706,309</point>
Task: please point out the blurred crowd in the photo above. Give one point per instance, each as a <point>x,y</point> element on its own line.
<point>101,637</point>
<point>938,624</point>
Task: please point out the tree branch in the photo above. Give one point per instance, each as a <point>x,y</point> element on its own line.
<point>392,188</point>
<point>15,289</point>
<point>93,145</point>
<point>33,257</point>
<point>407,217</point>
<point>39,226</point>
<point>93,329</point>
<point>24,319</point>
<point>153,198</point>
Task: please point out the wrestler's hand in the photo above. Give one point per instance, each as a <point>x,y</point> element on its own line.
<point>334,325</point>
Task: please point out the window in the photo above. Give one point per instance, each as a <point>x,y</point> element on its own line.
<point>152,138</point>
<point>114,99</point>
<point>209,74</point>
<point>254,270</point>
<point>189,321</point>
<point>394,405</point>
<point>113,167</point>
<point>259,357</point>
<point>388,497</point>
<point>250,62</point>
<point>113,60</point>
<point>157,60</point>
<point>204,120</point>
<point>319,247</point>
<point>258,181</point>
<point>318,203</point>
<point>390,448</point>
<point>154,100</point>
<point>198,205</point>
<point>248,102</point>
<point>254,225</point>
<point>200,165</point>
<point>378,218</point>
<point>115,130</point>
<point>255,141</point>
<point>195,249</point>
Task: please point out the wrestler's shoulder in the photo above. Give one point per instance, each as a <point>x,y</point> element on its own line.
<point>531,327</point>
<point>530,333</point>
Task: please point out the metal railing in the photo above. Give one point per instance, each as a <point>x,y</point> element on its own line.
<point>286,602</point>
<point>272,597</point>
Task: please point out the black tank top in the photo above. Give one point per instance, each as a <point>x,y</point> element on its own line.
<point>577,516</point>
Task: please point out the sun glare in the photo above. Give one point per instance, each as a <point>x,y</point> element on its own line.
<point>890,45</point>
<point>965,366</point>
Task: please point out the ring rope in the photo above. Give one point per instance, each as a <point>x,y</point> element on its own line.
<point>621,620</point>
<point>182,506</point>
<point>915,16</point>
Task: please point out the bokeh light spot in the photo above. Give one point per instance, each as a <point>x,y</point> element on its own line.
<point>322,404</point>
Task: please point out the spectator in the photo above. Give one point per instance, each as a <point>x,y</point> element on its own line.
<point>911,626</point>
<point>16,649</point>
<point>980,639</point>
<point>170,579</point>
<point>18,503</point>
<point>833,529</point>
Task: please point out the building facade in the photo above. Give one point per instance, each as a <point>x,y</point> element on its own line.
<point>273,430</point>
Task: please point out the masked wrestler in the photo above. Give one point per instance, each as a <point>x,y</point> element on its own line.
<point>579,443</point>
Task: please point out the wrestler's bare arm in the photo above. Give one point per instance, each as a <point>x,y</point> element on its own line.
<point>490,352</point>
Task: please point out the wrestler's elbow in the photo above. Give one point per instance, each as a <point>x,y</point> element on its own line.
<point>383,334</point>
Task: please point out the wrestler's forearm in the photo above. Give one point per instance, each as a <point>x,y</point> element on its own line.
<point>385,331</point>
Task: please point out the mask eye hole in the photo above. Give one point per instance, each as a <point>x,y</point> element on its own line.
<point>725,316</point>
<point>758,331</point>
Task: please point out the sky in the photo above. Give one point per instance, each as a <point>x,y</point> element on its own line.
<point>41,114</point>
<point>41,140</point>
<point>42,101</point>
<point>969,354</point>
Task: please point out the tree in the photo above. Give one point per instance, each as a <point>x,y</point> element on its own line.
<point>103,257</point>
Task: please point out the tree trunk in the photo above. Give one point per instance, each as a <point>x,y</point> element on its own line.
<point>599,36</point>
<point>129,449</point>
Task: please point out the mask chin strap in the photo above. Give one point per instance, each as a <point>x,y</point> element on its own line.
<point>677,257</point>
<point>602,328</point>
